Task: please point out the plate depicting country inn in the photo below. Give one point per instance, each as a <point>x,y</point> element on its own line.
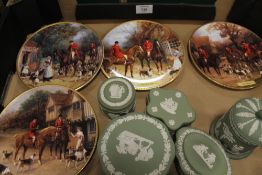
<point>47,130</point>
<point>65,53</point>
<point>147,53</point>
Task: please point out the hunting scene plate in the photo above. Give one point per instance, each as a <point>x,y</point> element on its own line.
<point>227,54</point>
<point>47,130</point>
<point>146,53</point>
<point>65,53</point>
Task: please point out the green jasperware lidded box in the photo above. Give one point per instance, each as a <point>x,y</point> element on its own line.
<point>197,153</point>
<point>116,96</point>
<point>136,144</point>
<point>240,129</point>
<point>171,106</point>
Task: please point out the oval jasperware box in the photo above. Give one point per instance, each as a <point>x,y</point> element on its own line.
<point>240,129</point>
<point>197,153</point>
<point>136,144</point>
<point>170,106</point>
<point>116,97</point>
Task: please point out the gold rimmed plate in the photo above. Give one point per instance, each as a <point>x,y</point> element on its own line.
<point>227,54</point>
<point>65,53</point>
<point>146,53</point>
<point>49,129</point>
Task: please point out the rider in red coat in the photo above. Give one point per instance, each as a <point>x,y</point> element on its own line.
<point>73,49</point>
<point>247,49</point>
<point>32,129</point>
<point>148,47</point>
<point>117,52</point>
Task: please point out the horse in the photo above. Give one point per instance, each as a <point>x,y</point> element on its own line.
<point>131,54</point>
<point>61,141</point>
<point>157,55</point>
<point>64,62</point>
<point>44,137</point>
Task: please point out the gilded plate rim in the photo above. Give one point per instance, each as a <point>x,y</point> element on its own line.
<point>92,153</point>
<point>30,36</point>
<point>209,78</point>
<point>159,85</point>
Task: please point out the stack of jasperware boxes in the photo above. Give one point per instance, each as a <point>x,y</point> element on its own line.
<point>156,9</point>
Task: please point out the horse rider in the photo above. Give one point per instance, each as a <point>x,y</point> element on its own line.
<point>33,126</point>
<point>73,50</point>
<point>203,54</point>
<point>92,51</point>
<point>148,47</point>
<point>58,125</point>
<point>247,49</point>
<point>117,52</point>
<point>80,137</point>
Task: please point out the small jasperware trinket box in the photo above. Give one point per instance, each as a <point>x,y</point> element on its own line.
<point>197,153</point>
<point>116,97</point>
<point>239,130</point>
<point>170,106</point>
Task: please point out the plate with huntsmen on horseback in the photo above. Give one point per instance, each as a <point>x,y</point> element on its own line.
<point>49,129</point>
<point>227,54</point>
<point>64,53</point>
<point>146,53</point>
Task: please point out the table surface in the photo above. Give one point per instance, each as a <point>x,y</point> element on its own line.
<point>208,99</point>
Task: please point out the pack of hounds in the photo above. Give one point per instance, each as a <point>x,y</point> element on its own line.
<point>72,156</point>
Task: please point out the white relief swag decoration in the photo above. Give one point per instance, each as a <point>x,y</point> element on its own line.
<point>135,145</point>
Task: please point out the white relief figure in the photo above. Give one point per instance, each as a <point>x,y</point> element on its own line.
<point>169,105</point>
<point>208,158</point>
<point>227,134</point>
<point>116,91</point>
<point>135,145</point>
<point>237,148</point>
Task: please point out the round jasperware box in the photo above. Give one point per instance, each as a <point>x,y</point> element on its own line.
<point>136,144</point>
<point>240,129</point>
<point>116,97</point>
<point>197,153</point>
<point>170,106</point>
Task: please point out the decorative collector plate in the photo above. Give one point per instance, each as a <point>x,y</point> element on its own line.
<point>47,130</point>
<point>227,54</point>
<point>146,53</point>
<point>66,53</point>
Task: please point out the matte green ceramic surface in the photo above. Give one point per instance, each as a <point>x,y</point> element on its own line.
<point>170,106</point>
<point>246,120</point>
<point>233,145</point>
<point>116,95</point>
<point>136,144</point>
<point>199,153</point>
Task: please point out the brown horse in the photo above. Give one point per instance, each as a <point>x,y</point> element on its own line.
<point>131,53</point>
<point>45,136</point>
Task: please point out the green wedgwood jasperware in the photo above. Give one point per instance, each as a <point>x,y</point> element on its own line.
<point>240,129</point>
<point>116,96</point>
<point>170,106</point>
<point>198,153</point>
<point>136,144</point>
